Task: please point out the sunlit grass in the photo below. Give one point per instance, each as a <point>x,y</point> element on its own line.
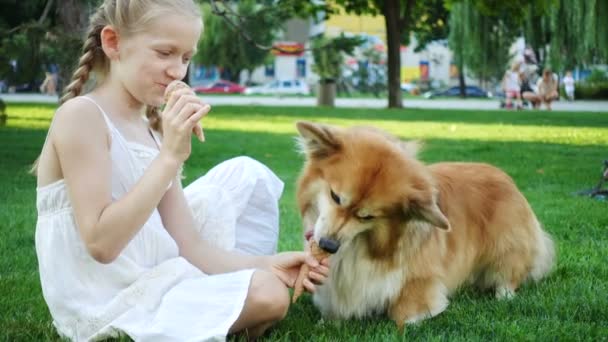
<point>452,128</point>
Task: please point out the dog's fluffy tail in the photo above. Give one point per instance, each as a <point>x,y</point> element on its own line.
<point>545,257</point>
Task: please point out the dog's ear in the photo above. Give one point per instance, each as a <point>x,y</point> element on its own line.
<point>423,204</point>
<point>411,148</point>
<point>316,140</point>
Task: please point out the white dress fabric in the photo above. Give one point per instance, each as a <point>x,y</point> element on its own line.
<point>149,292</point>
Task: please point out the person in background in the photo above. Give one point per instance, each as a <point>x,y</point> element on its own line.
<point>568,82</point>
<point>527,93</point>
<point>547,88</point>
<point>511,87</point>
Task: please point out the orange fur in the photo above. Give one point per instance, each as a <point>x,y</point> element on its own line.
<point>411,234</point>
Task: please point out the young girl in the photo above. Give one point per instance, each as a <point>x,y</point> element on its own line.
<point>122,248</point>
<point>569,85</point>
<point>511,87</point>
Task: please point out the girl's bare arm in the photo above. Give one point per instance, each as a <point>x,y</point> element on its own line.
<point>179,222</point>
<point>81,142</point>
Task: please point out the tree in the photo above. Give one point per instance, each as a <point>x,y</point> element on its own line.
<point>456,41</point>
<point>35,33</point>
<point>398,16</point>
<point>328,54</point>
<point>432,25</point>
<point>22,27</point>
<point>486,39</point>
<point>225,45</point>
<point>578,35</point>
<point>482,31</point>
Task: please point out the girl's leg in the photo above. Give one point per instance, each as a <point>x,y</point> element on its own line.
<point>267,302</point>
<point>236,203</point>
<point>257,227</point>
<point>508,101</point>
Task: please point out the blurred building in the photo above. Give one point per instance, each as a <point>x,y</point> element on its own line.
<point>433,64</point>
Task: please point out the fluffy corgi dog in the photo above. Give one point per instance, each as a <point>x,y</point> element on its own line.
<point>405,234</point>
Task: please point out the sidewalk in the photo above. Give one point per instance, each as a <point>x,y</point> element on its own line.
<point>470,104</point>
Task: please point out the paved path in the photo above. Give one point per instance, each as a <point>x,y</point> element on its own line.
<point>470,104</point>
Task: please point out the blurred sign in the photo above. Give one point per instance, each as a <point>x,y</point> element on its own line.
<point>453,71</point>
<point>424,70</point>
<point>288,49</point>
<point>410,73</point>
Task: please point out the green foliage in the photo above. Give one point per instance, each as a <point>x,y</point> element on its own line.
<point>578,34</point>
<point>597,76</point>
<point>34,41</point>
<point>481,42</point>
<point>328,54</point>
<point>431,24</point>
<point>22,46</point>
<point>595,86</point>
<point>223,45</point>
<point>591,91</point>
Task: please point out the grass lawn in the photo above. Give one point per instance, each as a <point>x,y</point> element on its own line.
<point>550,155</point>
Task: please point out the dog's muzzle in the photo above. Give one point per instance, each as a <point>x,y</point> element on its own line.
<point>329,245</point>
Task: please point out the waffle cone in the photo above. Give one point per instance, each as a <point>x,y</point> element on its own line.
<point>318,254</point>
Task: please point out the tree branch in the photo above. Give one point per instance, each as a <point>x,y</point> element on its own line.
<point>225,11</point>
<point>45,13</point>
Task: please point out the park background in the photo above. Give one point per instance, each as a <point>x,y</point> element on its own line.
<point>550,155</point>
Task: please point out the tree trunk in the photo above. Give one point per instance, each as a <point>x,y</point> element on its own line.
<point>461,83</point>
<point>393,36</point>
<point>326,93</point>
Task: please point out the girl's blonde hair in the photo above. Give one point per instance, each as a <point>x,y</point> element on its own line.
<point>127,17</point>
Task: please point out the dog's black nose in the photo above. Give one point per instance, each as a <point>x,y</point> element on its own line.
<point>329,245</point>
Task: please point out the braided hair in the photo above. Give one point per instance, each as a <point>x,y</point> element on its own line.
<point>127,17</point>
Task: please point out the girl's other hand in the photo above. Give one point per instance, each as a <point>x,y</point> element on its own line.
<point>286,266</point>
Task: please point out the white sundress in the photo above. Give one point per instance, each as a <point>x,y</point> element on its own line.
<point>149,292</point>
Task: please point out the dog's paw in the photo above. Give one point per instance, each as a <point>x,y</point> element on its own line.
<point>504,292</point>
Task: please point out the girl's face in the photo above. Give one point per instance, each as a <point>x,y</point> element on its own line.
<point>151,59</point>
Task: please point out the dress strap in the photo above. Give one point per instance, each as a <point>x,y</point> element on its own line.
<point>105,116</point>
<point>155,136</point>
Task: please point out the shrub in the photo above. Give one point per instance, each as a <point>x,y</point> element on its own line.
<point>591,91</point>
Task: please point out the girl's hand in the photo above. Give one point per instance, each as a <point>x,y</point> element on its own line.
<point>287,265</point>
<point>180,117</point>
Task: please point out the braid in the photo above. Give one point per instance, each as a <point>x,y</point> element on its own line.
<point>154,119</point>
<point>91,49</point>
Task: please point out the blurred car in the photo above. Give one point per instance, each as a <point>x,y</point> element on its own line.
<point>281,87</point>
<point>471,91</point>
<point>220,87</point>
<point>408,87</point>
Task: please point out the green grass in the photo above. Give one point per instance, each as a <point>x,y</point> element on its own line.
<point>550,155</point>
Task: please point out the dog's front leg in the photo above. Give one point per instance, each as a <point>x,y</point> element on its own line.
<point>419,299</point>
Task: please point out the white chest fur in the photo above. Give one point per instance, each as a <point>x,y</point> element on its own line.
<point>358,286</point>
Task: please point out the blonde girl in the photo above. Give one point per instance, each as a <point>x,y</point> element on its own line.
<point>122,248</point>
<point>511,86</point>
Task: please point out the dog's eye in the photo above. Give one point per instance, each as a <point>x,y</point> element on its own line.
<point>335,197</point>
<point>366,218</point>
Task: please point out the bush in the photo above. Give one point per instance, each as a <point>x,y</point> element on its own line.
<point>591,91</point>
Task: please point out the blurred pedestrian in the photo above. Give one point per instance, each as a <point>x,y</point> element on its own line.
<point>569,85</point>
<point>511,87</point>
<point>49,85</point>
<point>527,93</point>
<point>547,88</point>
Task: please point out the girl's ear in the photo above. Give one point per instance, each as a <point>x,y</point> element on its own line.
<point>109,42</point>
